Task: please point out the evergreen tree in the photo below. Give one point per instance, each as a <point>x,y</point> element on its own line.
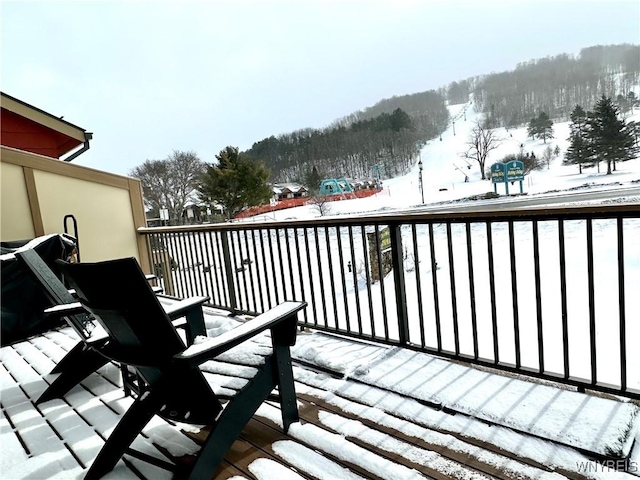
<point>545,127</point>
<point>611,138</point>
<point>541,127</point>
<point>235,182</point>
<point>579,151</point>
<point>532,129</point>
<point>312,180</point>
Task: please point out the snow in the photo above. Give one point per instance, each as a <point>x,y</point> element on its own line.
<point>390,387</point>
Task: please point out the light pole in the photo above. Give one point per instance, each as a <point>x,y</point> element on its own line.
<point>420,179</point>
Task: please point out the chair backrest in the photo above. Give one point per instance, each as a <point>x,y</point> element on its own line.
<point>118,294</point>
<point>141,334</point>
<point>54,289</point>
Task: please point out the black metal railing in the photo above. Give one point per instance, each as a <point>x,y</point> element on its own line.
<point>552,293</point>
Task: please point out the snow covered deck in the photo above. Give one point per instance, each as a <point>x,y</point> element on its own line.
<point>367,411</point>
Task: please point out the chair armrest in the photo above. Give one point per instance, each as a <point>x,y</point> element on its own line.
<point>197,354</point>
<point>64,310</point>
<point>181,308</point>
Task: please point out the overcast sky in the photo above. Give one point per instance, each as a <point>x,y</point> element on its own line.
<point>151,77</point>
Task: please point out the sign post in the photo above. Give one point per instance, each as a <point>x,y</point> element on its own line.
<point>515,172</point>
<point>507,172</point>
<point>498,176</point>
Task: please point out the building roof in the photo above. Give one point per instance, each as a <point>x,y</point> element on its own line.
<point>31,129</point>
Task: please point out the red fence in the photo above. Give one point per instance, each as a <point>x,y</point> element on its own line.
<point>298,202</point>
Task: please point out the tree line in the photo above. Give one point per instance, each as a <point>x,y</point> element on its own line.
<point>380,141</point>
<point>556,84</point>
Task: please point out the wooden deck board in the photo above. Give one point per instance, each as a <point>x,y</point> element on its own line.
<point>104,397</point>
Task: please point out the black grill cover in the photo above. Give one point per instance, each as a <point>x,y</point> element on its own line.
<point>22,302</point>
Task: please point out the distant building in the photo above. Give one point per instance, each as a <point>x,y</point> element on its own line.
<point>287,191</point>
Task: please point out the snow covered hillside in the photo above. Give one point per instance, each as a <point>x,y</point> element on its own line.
<point>444,171</point>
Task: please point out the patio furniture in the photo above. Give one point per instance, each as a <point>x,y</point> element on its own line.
<point>142,336</point>
<point>85,357</point>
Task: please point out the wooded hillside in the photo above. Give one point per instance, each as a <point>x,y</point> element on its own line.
<point>384,139</point>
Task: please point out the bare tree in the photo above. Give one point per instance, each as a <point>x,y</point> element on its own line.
<point>170,183</point>
<point>320,204</point>
<point>481,141</point>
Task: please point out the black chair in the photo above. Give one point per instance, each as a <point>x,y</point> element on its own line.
<point>141,335</point>
<point>85,357</point>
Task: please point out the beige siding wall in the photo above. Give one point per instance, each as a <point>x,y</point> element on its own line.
<point>37,192</point>
<point>105,220</point>
<point>15,217</point>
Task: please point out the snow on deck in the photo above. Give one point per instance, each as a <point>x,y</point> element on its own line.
<point>382,413</point>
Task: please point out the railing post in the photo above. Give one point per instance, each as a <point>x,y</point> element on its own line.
<point>397,260</point>
<point>229,270</point>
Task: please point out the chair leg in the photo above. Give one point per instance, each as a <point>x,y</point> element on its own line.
<point>129,427</point>
<point>231,422</point>
<point>71,359</point>
<point>87,361</point>
<point>288,405</point>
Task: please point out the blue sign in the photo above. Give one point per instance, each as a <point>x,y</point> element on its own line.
<point>515,171</point>
<point>498,173</point>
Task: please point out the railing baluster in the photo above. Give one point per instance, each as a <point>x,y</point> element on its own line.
<point>452,282</point>
<point>184,255</point>
<point>355,280</point>
<point>246,263</point>
<point>267,233</point>
<point>383,297</point>
<point>300,275</point>
<point>229,270</point>
<point>536,271</point>
<point>201,277</point>
<point>290,261</point>
<point>492,290</point>
<point>472,291</point>
<point>332,283</point>
<point>235,269</point>
<point>622,307</point>
<point>563,298</point>
<point>210,264</point>
<point>365,247</point>
<point>311,280</point>
<point>399,282</point>
<point>592,306</point>
<point>179,262</point>
<point>343,280</point>
<point>278,240</point>
<point>258,277</point>
<point>416,267</point>
<point>274,277</point>
<point>514,294</point>
<point>222,276</point>
<point>434,280</point>
<point>320,274</point>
